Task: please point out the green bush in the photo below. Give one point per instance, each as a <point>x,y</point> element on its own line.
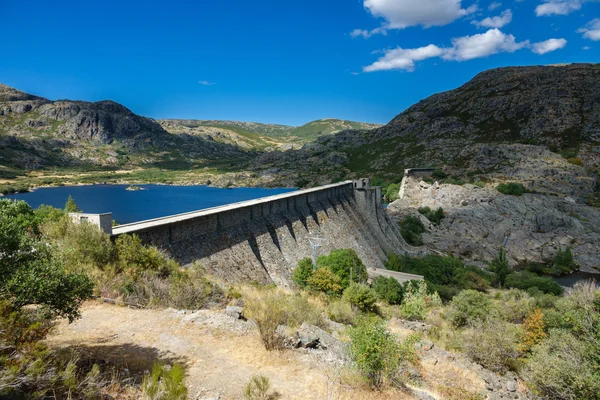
<point>411,229</point>
<point>435,217</point>
<point>71,206</point>
<point>524,280</point>
<point>361,296</point>
<point>439,174</point>
<point>377,353</point>
<point>134,258</point>
<point>84,245</point>
<point>344,263</point>
<point>341,311</point>
<point>445,275</point>
<point>303,272</point>
<point>392,192</point>
<point>470,307</point>
<point>493,344</point>
<point>325,281</point>
<point>258,388</point>
<point>388,289</point>
<point>563,262</point>
<point>511,188</point>
<point>165,383</point>
<point>417,301</point>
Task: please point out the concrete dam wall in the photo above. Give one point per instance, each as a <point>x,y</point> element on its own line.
<point>262,240</point>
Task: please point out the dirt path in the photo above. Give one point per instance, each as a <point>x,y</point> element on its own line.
<point>221,354</point>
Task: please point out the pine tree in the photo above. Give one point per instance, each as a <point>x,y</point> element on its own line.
<point>71,206</point>
<point>501,267</point>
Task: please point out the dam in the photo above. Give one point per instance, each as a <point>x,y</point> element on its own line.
<point>262,240</point>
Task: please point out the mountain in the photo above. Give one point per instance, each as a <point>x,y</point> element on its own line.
<point>37,133</point>
<point>265,136</point>
<point>533,109</point>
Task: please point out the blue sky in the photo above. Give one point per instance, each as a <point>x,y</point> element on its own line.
<point>281,61</point>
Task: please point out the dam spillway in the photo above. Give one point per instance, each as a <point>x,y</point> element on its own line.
<point>262,240</point>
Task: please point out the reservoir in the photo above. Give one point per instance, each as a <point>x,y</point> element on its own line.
<point>153,201</point>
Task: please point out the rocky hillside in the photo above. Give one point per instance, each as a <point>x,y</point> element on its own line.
<point>556,108</point>
<point>265,137</point>
<point>37,133</point>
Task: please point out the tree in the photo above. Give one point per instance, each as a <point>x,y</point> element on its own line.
<point>346,264</point>
<point>501,267</point>
<point>71,206</point>
<point>30,274</point>
<point>303,272</point>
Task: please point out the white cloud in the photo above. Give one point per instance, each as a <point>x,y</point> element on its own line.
<point>494,5</point>
<point>557,7</point>
<point>463,48</point>
<point>400,14</point>
<point>482,45</point>
<point>548,45</point>
<point>585,48</point>
<point>495,22</point>
<point>404,58</point>
<point>206,83</point>
<point>591,30</point>
<point>367,34</point>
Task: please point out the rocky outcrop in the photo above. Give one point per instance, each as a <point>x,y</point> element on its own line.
<point>479,220</point>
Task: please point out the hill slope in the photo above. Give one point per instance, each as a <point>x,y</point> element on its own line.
<point>554,108</point>
<point>265,136</point>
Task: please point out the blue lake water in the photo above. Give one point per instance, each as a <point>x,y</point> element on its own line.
<point>154,202</point>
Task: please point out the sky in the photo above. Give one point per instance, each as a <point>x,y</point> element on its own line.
<point>284,61</point>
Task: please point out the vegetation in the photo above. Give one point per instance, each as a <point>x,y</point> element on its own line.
<point>392,192</point>
<point>361,296</point>
<point>511,188</point>
<point>258,388</point>
<point>378,354</point>
<point>563,262</point>
<point>165,383</point>
<point>525,280</point>
<point>435,217</point>
<point>388,290</point>
<point>445,275</point>
<point>411,229</point>
<point>417,301</point>
<point>500,267</point>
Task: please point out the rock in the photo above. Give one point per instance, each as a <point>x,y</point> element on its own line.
<point>315,337</point>
<point>511,386</point>
<point>464,203</point>
<point>235,312</point>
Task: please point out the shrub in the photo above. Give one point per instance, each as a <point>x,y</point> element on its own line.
<point>258,388</point>
<point>446,275</point>
<point>500,267</point>
<point>392,192</point>
<point>417,301</point>
<point>377,353</point>
<point>514,305</point>
<point>411,229</point>
<point>533,330</point>
<point>493,344</point>
<point>344,263</point>
<point>563,262</point>
<point>560,367</point>
<point>84,245</point>
<point>439,174</point>
<point>511,188</point>
<point>435,217</point>
<point>299,310</point>
<point>361,296</point>
<point>575,161</point>
<point>388,289</point>
<point>133,258</point>
<point>470,307</point>
<point>268,310</point>
<point>325,281</point>
<point>341,311</point>
<point>164,383</point>
<point>524,280</point>
<point>303,272</point>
